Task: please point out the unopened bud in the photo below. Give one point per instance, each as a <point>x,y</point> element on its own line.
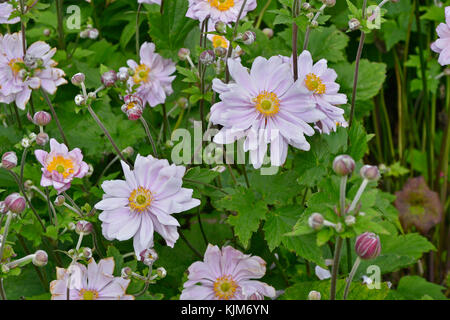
<point>148,256</point>
<point>78,78</point>
<point>129,151</point>
<point>93,34</point>
<point>350,220</point>
<point>59,201</point>
<point>220,27</point>
<point>3,209</point>
<point>306,6</point>
<point>28,184</point>
<point>268,32</point>
<point>368,246</point>
<point>42,138</point>
<point>161,272</point>
<point>84,227</point>
<point>220,52</point>
<point>183,102</point>
<point>314,295</point>
<point>310,15</point>
<point>354,24</point>
<point>314,24</point>
<point>329,3</point>
<point>123,74</point>
<point>87,253</point>
<point>183,53</point>
<point>90,170</point>
<point>42,118</point>
<point>343,165</point>
<point>40,258</point>
<point>79,100</point>
<point>315,221</point>
<point>207,57</point>
<point>71,226</point>
<point>47,32</point>
<point>9,160</point>
<point>370,172</point>
<point>248,37</point>
<point>126,273</point>
<point>109,78</point>
<point>15,203</point>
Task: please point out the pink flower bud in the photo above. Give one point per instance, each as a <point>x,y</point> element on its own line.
<point>183,53</point>
<point>9,160</point>
<point>268,32</point>
<point>126,273</point>
<point>315,221</point>
<point>42,139</point>
<point>368,246</point>
<point>370,172</point>
<point>42,118</point>
<point>220,52</point>
<point>343,165</point>
<point>314,295</point>
<point>84,226</point>
<point>109,78</point>
<point>148,256</point>
<point>133,107</point>
<point>78,78</point>
<point>248,37</point>
<point>207,57</point>
<point>15,203</point>
<point>40,258</point>
<point>60,200</point>
<point>87,253</point>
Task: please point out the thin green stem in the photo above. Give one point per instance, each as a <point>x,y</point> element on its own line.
<point>201,227</point>
<point>52,110</point>
<point>137,29</point>
<point>190,246</point>
<point>335,268</point>
<point>149,135</point>
<point>350,277</point>
<point>59,13</point>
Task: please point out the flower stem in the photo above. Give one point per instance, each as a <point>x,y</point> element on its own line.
<point>358,195</point>
<point>80,240</point>
<point>335,268</point>
<point>59,13</point>
<point>5,233</point>
<point>73,203</point>
<point>22,27</point>
<point>201,227</point>
<point>295,11</point>
<point>358,59</point>
<point>100,124</point>
<point>205,184</point>
<point>342,195</point>
<point>308,29</point>
<point>350,276</point>
<point>166,122</point>
<point>52,110</point>
<point>149,135</point>
<point>195,251</point>
<point>106,169</point>
<point>137,29</point>
<point>2,290</point>
<point>261,14</point>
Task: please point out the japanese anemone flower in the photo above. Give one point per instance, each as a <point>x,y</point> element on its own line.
<point>60,166</point>
<point>226,11</point>
<point>321,82</point>
<point>144,202</point>
<point>442,45</point>
<point>226,275</point>
<point>151,79</point>
<point>96,282</point>
<point>6,9</point>
<point>266,107</point>
<point>20,73</point>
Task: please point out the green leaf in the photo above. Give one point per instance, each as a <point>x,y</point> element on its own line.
<point>118,259</point>
<point>417,288</point>
<point>278,222</point>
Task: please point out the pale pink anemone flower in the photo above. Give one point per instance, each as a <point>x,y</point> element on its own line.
<point>321,82</point>
<point>226,275</point>
<point>20,74</point>
<point>266,107</point>
<point>150,1</point>
<point>144,202</point>
<point>226,11</point>
<point>442,45</point>
<point>96,282</point>
<point>152,79</point>
<point>60,166</point>
<point>6,9</point>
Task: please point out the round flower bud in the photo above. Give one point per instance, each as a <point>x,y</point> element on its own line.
<point>71,226</point>
<point>42,138</point>
<point>268,32</point>
<point>248,37</point>
<point>354,24</point>
<point>84,34</point>
<point>182,102</point>
<point>310,15</point>
<point>60,200</point>
<point>329,3</point>
<point>183,53</point>
<point>93,34</point>
<point>350,220</point>
<point>109,78</point>
<point>3,208</point>
<point>79,100</point>
<point>314,295</point>
<point>25,142</point>
<point>84,226</point>
<point>28,184</point>
<point>123,74</point>
<point>306,6</point>
<point>92,95</point>
<point>46,32</point>
<point>370,172</point>
<point>126,273</point>
<point>368,246</point>
<point>78,78</point>
<point>9,160</point>
<point>220,52</point>
<point>343,165</point>
<point>87,253</point>
<point>161,272</point>
<point>314,24</point>
<point>207,57</point>
<point>129,151</point>
<point>220,27</point>
<point>42,118</point>
<point>40,258</point>
<point>148,256</point>
<point>15,203</point>
<point>315,221</point>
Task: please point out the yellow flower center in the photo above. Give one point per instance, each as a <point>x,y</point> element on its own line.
<point>61,165</point>
<point>16,65</point>
<point>222,5</point>
<point>140,199</point>
<point>219,41</point>
<point>141,74</point>
<point>267,103</point>
<point>88,294</point>
<point>225,287</point>
<point>314,83</point>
